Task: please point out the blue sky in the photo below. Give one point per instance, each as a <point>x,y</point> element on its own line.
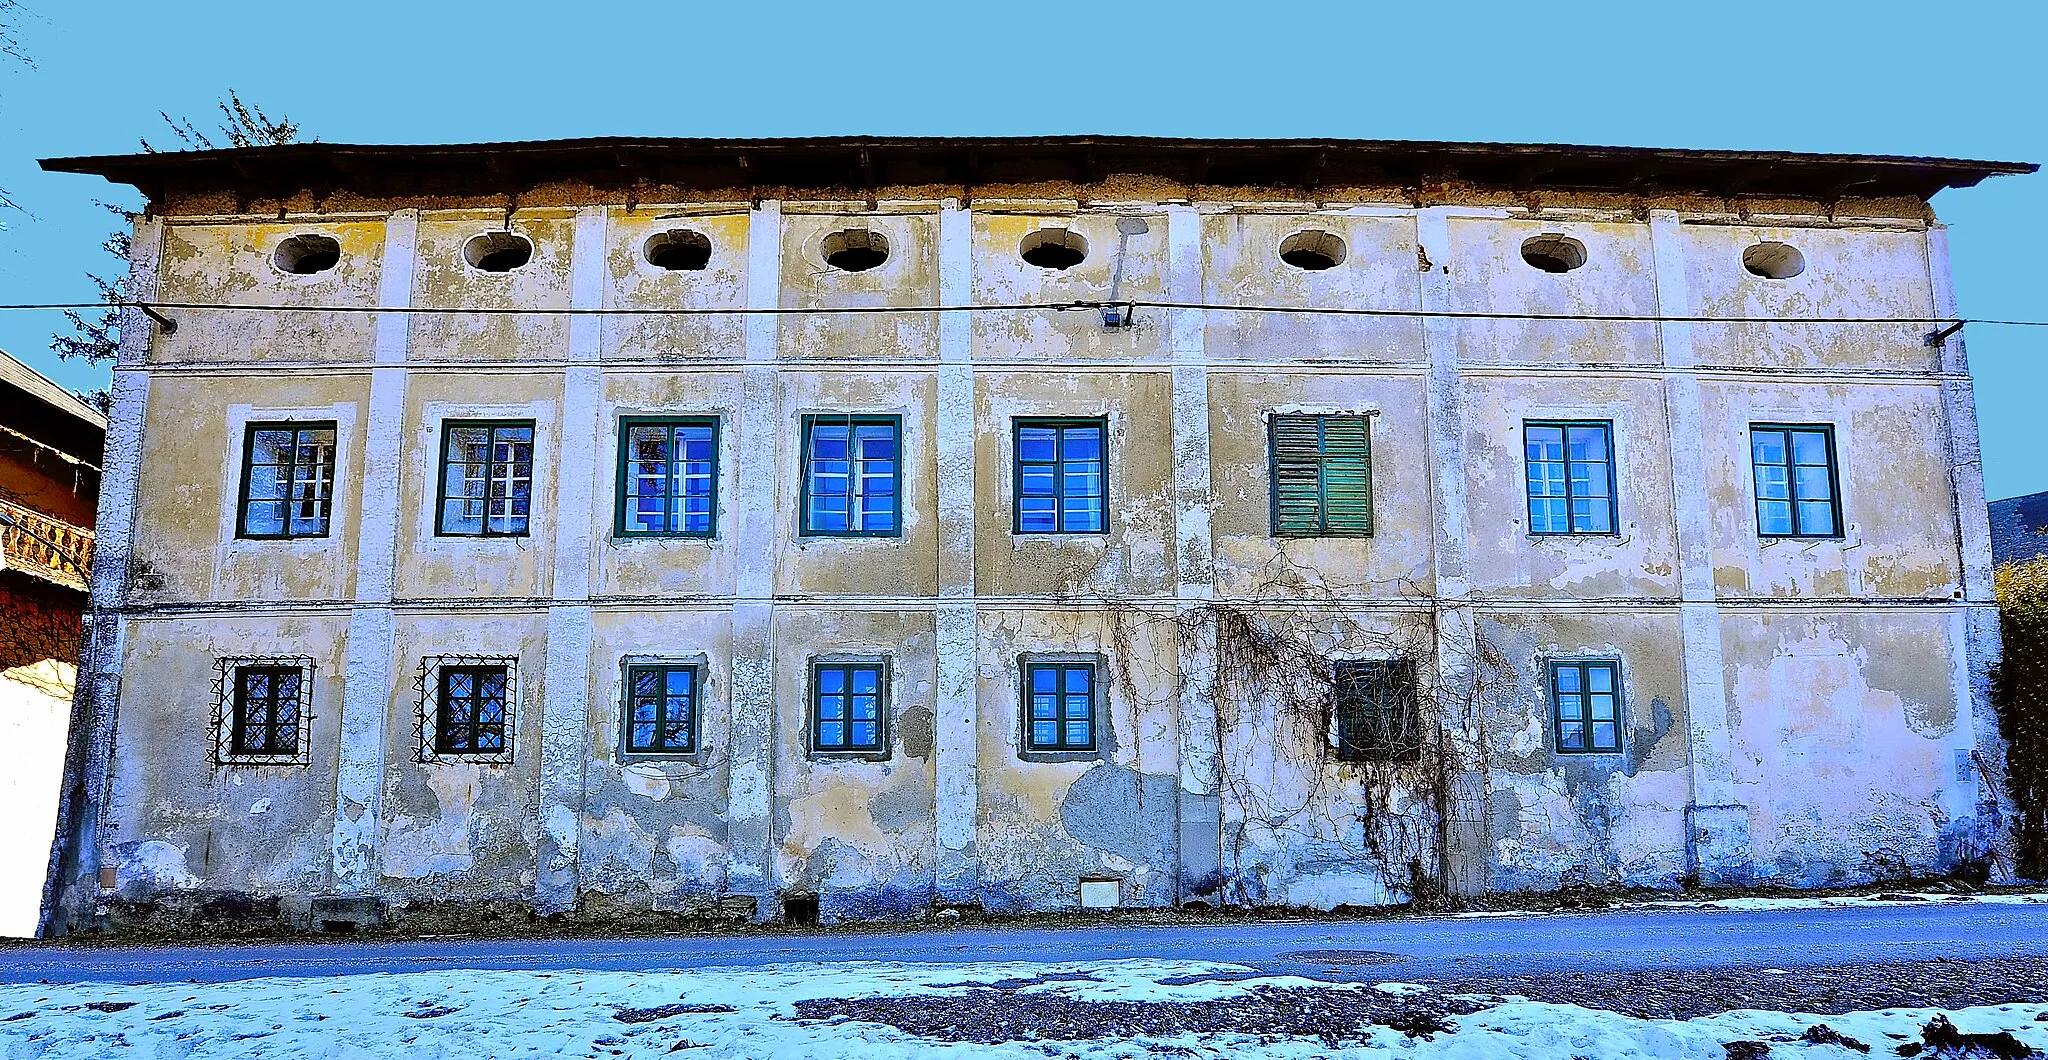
<point>1956,78</point>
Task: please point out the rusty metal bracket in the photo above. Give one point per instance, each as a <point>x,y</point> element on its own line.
<point>169,326</point>
<point>1936,338</point>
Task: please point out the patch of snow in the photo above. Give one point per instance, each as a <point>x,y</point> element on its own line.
<point>1843,901</point>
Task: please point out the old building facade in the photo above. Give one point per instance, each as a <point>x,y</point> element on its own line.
<point>853,528</point>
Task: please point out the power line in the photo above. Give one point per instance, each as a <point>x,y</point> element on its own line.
<point>1075,306</point>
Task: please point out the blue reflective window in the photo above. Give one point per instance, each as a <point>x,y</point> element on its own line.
<point>668,477</point>
<point>661,709</point>
<point>1571,477</point>
<point>1060,483</point>
<point>1585,702</point>
<point>486,478</point>
<point>848,701</point>
<point>852,475</point>
<point>1059,701</point>
<point>1797,491</point>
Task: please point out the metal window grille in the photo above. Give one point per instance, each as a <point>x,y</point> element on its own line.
<point>849,703</point>
<point>486,485</point>
<point>467,708</point>
<point>1060,700</point>
<point>1797,491</point>
<point>262,710</point>
<point>1322,475</point>
<point>661,709</point>
<point>668,477</point>
<point>852,475</point>
<point>1060,482</point>
<point>1571,477</point>
<point>1376,717</point>
<point>287,480</point>
<point>1585,705</point>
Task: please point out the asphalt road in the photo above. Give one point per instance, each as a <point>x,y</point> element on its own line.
<point>1374,950</point>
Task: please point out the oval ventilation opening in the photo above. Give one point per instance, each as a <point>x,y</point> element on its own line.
<point>304,255</point>
<point>1554,253</point>
<point>855,250</point>
<point>678,250</point>
<point>1313,250</point>
<point>1774,261</point>
<point>498,251</point>
<point>1053,248</point>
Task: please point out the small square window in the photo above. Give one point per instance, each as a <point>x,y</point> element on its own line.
<point>263,711</point>
<point>850,708</point>
<point>1571,477</point>
<point>1585,706</point>
<point>467,709</point>
<point>1376,716</point>
<point>852,476</point>
<point>1798,493</point>
<point>668,477</point>
<point>486,478</point>
<point>287,480</point>
<point>1060,479</point>
<point>660,713</point>
<point>1061,704</point>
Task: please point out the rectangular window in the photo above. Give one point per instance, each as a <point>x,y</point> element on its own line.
<point>287,480</point>
<point>470,710</point>
<point>1322,475</point>
<point>1376,714</point>
<point>1059,699</point>
<point>1585,701</point>
<point>848,702</point>
<point>268,708</point>
<point>852,475</point>
<point>1797,493</point>
<point>668,477</point>
<point>1059,484</point>
<point>661,709</point>
<point>486,478</point>
<point>1571,477</point>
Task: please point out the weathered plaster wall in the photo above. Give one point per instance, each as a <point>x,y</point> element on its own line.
<point>233,263</point>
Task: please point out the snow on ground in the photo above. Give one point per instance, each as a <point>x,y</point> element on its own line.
<point>1839,901</point>
<point>742,1013</point>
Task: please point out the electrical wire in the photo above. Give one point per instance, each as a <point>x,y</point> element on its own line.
<point>1077,306</point>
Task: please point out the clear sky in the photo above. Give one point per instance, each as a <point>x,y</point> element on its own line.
<point>1955,78</point>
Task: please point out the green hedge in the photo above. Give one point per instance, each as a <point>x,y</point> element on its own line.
<point>2019,689</point>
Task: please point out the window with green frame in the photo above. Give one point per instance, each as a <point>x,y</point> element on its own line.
<point>849,707</point>
<point>1585,705</point>
<point>1321,475</point>
<point>1059,476</point>
<point>1797,493</point>
<point>1059,705</point>
<point>287,480</point>
<point>486,485</point>
<point>661,709</point>
<point>1375,716</point>
<point>852,476</point>
<point>668,477</point>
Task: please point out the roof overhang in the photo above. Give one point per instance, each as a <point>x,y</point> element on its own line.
<point>860,163</point>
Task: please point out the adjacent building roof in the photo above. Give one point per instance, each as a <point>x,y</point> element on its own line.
<point>861,162</point>
<point>2019,529</point>
<point>18,381</point>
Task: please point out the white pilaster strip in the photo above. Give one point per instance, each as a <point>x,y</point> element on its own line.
<point>749,832</point>
<point>565,676</point>
<point>367,672</point>
<point>1717,840</point>
<point>956,704</point>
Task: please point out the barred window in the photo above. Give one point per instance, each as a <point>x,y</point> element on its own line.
<point>287,480</point>
<point>1375,717</point>
<point>1585,700</point>
<point>268,708</point>
<point>470,710</point>
<point>1321,475</point>
<point>661,709</point>
<point>849,702</point>
<point>1797,494</point>
<point>1060,706</point>
<point>1059,477</point>
<point>852,475</point>
<point>486,478</point>
<point>1571,477</point>
<point>668,477</point>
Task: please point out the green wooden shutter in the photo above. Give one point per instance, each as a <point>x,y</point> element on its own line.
<point>1347,476</point>
<point>1297,476</point>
